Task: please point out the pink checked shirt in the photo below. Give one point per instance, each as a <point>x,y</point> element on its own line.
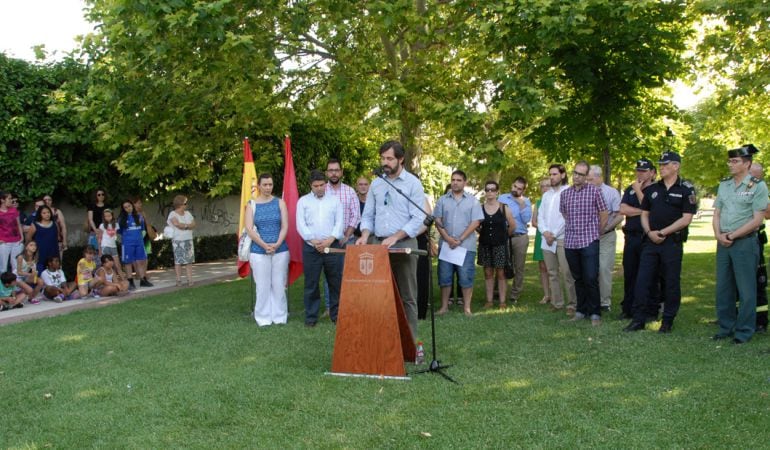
<point>351,213</point>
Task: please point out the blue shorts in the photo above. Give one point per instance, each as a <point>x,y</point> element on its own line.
<point>132,253</point>
<point>465,274</point>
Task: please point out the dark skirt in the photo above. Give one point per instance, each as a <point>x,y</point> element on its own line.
<point>491,256</point>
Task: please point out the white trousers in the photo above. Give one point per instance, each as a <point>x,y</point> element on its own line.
<point>9,251</point>
<point>270,274</point>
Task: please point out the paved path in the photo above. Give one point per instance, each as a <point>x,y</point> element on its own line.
<point>164,281</point>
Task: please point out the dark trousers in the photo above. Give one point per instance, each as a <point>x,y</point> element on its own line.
<point>762,281</point>
<point>584,267</point>
<point>632,253</point>
<point>313,263</point>
<point>664,261</point>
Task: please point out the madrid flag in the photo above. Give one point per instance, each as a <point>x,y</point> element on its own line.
<point>248,192</point>
<point>291,196</point>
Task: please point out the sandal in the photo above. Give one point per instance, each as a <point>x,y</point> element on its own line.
<point>488,305</point>
<point>178,282</point>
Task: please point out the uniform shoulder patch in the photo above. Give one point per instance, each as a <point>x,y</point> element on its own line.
<point>687,184</point>
<point>755,180</point>
<point>728,178</point>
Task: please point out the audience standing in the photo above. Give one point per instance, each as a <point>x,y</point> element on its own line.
<point>45,232</point>
<point>182,242</point>
<point>95,216</point>
<point>521,210</point>
<point>585,214</point>
<point>321,224</point>
<point>739,210</point>
<point>607,236</point>
<point>757,171</point>
<point>550,222</point>
<point>267,222</point>
<point>496,227</point>
<point>458,215</point>
<point>537,253</point>
<point>667,210</point>
<point>11,237</point>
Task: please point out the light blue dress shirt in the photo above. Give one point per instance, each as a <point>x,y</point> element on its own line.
<point>386,211</point>
<point>522,215</point>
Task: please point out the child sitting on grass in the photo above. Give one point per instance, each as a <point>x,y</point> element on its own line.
<point>12,291</point>
<point>56,286</point>
<point>110,281</point>
<point>85,272</point>
<point>26,271</point>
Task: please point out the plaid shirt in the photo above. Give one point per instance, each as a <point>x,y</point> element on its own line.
<point>581,210</point>
<point>351,212</point>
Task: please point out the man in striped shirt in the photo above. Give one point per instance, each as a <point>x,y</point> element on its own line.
<point>585,214</point>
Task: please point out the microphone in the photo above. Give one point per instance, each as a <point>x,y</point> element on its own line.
<point>379,171</point>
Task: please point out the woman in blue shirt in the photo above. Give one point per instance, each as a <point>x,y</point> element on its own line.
<point>132,242</point>
<point>267,222</point>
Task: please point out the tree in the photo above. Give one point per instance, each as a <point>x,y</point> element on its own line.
<point>600,66</point>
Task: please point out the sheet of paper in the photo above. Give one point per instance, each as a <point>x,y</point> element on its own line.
<point>551,248</point>
<point>455,256</point>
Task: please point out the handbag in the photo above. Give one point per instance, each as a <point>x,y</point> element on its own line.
<point>244,244</point>
<point>168,232</point>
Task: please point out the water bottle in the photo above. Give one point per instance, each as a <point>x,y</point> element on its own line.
<point>420,354</point>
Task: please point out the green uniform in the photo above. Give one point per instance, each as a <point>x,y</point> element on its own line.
<point>737,264</point>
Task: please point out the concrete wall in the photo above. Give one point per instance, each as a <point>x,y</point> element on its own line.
<point>213,216</point>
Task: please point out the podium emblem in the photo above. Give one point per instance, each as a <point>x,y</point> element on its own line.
<point>366,263</point>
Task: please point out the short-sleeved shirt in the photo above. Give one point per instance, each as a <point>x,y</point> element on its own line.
<point>97,212</point>
<point>522,215</point>
<point>456,215</point>
<point>53,278</point>
<point>737,204</point>
<point>667,205</point>
<point>9,225</point>
<point>633,224</point>
<point>581,210</point>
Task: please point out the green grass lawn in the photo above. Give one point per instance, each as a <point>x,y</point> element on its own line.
<point>190,369</point>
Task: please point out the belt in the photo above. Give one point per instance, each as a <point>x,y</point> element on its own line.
<point>518,234</point>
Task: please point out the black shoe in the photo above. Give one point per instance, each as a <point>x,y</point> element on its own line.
<point>665,328</point>
<point>634,326</point>
<point>719,337</point>
<point>737,341</point>
<point>145,283</point>
<point>18,305</point>
<point>605,309</point>
<point>131,285</point>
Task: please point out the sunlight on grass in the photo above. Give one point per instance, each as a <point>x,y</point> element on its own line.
<point>671,393</point>
<point>517,384</point>
<point>72,338</point>
<point>92,393</point>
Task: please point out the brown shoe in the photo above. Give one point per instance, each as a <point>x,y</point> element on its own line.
<point>571,311</point>
<point>488,305</point>
<point>556,308</point>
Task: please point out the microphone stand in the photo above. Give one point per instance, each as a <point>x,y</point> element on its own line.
<point>435,365</point>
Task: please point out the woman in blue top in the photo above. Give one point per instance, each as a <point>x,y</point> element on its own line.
<point>267,222</point>
<point>45,232</point>
<point>132,243</point>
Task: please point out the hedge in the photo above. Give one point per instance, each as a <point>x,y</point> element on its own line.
<point>207,248</point>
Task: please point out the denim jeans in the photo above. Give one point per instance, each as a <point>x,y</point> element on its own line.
<point>584,267</point>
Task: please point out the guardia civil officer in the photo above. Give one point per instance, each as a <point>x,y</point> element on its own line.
<point>758,171</point>
<point>667,210</point>
<point>739,210</point>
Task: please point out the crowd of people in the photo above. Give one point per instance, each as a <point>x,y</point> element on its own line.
<point>575,241</point>
<point>32,248</point>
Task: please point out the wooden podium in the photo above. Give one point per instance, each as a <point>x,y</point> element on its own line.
<point>373,336</point>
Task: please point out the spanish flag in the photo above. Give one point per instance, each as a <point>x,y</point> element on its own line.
<point>291,197</point>
<point>248,192</point>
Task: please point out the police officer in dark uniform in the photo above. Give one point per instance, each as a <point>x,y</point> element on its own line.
<point>739,210</point>
<point>667,210</point>
<point>631,207</point>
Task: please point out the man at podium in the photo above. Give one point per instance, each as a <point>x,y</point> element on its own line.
<point>392,220</point>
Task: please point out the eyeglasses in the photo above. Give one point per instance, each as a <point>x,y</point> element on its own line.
<point>334,170</point>
<point>490,190</point>
<point>579,174</point>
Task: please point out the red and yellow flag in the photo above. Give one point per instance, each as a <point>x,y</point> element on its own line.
<point>291,197</point>
<point>248,192</point>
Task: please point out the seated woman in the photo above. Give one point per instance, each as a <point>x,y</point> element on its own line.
<point>26,271</point>
<point>110,281</point>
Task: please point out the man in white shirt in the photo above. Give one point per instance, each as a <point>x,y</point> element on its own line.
<point>550,222</point>
<point>608,238</point>
<point>320,223</point>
